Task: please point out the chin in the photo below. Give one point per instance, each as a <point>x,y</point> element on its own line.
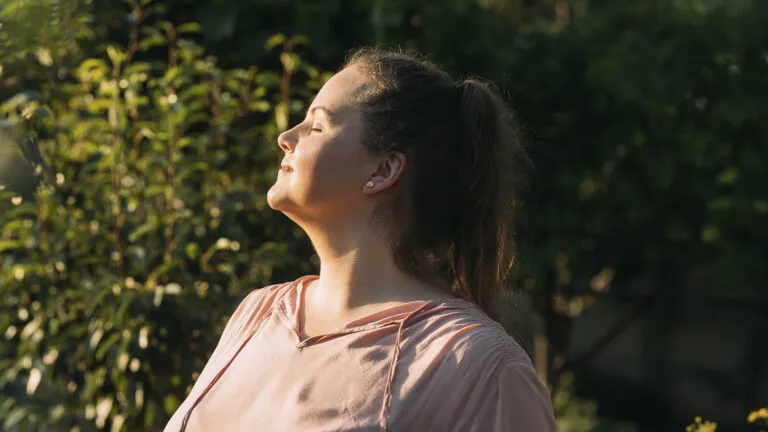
<point>275,202</point>
<point>278,200</point>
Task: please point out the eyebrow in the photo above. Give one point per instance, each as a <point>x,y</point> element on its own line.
<point>323,109</point>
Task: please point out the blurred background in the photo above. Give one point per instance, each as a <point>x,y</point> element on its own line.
<point>137,143</point>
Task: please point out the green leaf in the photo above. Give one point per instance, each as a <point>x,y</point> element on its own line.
<point>728,176</point>
<point>92,69</point>
<point>6,245</point>
<point>126,302</point>
<point>57,412</point>
<point>170,403</point>
<point>19,100</point>
<point>192,250</point>
<point>274,41</point>
<point>143,230</point>
<point>106,345</point>
<point>115,54</point>
<point>290,61</point>
<point>149,415</point>
<point>93,382</point>
<point>151,41</point>
<point>300,40</point>
<point>137,68</point>
<point>14,417</point>
<point>260,106</point>
<point>191,27</point>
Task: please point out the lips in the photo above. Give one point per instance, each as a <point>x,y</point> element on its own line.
<point>285,168</point>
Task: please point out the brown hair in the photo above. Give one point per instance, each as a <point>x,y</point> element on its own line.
<point>456,198</point>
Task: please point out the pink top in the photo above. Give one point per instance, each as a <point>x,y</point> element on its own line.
<point>420,366</point>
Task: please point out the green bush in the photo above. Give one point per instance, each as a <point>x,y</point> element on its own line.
<point>573,414</point>
<point>148,224</point>
<point>757,418</point>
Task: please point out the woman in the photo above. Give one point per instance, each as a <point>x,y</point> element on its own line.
<point>401,177</point>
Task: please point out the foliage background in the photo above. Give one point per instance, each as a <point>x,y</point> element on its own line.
<point>138,219</point>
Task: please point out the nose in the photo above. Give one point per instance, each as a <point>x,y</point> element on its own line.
<point>287,140</point>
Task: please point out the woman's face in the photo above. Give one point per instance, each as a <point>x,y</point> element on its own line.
<point>325,167</point>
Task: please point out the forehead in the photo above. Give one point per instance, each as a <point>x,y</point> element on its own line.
<point>339,92</point>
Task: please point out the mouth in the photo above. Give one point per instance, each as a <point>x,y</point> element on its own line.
<point>285,168</point>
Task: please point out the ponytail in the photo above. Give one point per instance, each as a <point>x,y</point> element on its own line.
<point>483,249</point>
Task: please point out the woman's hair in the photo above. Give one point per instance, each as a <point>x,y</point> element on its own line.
<point>455,201</point>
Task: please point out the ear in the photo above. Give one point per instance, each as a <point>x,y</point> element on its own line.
<point>387,173</point>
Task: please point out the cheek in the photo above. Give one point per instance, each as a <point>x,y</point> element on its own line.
<point>335,168</point>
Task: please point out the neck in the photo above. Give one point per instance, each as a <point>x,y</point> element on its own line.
<point>357,268</point>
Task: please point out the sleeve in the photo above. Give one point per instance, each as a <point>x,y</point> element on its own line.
<point>248,314</point>
<point>516,402</point>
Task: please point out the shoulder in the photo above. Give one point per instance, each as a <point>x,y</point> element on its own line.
<point>459,345</point>
<point>261,297</point>
<point>489,341</point>
<point>254,307</point>
<point>472,337</point>
<point>480,376</point>
<point>493,366</point>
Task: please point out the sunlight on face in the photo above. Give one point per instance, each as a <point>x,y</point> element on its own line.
<point>325,165</point>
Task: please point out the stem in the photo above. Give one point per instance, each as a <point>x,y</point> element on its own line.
<point>118,149</point>
<point>172,55</point>
<point>47,246</point>
<point>133,39</point>
<point>170,175</point>
<point>285,81</point>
